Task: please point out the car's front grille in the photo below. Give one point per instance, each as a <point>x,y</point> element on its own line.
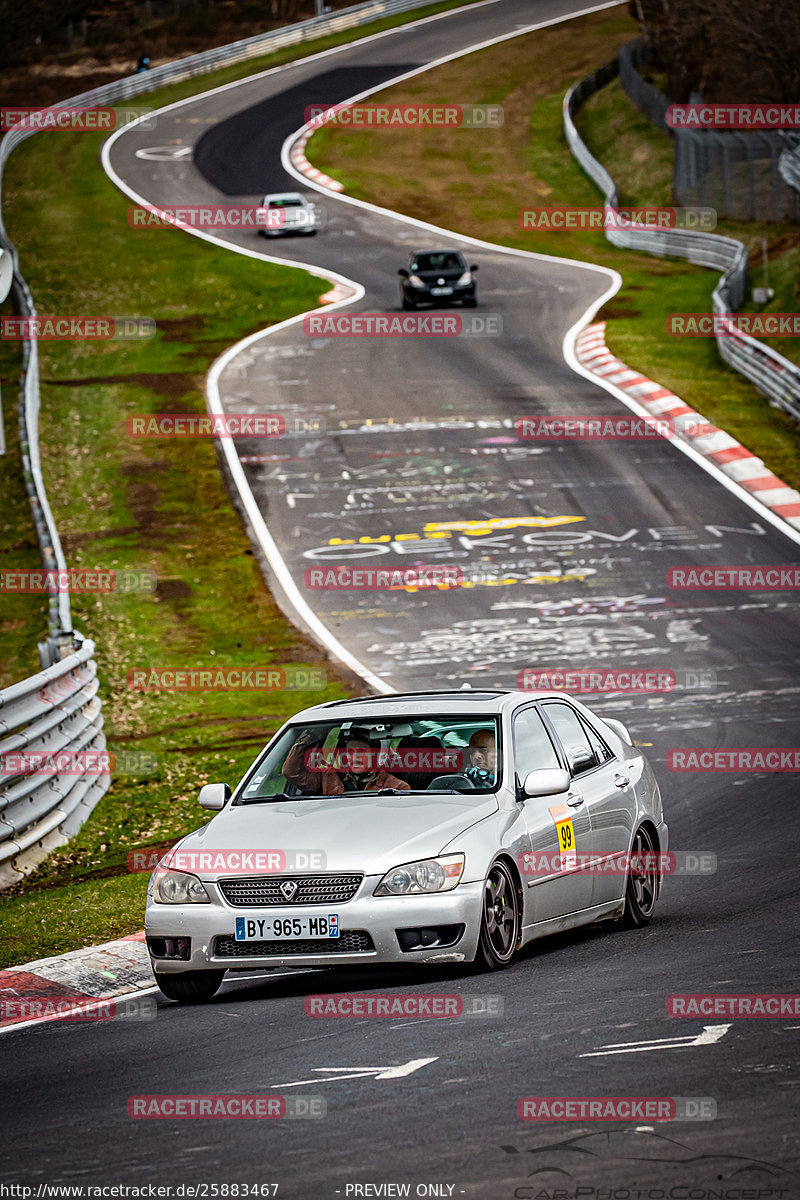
<point>265,890</point>
<point>350,941</point>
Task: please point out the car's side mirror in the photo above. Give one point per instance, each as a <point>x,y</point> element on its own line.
<point>547,782</point>
<point>403,272</point>
<point>214,796</point>
<point>474,267</point>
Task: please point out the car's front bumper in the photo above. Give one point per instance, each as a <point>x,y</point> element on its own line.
<point>380,917</point>
<point>287,230</point>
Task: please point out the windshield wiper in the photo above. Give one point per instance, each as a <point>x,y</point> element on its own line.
<point>276,796</point>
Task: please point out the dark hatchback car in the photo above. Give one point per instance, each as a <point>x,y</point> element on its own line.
<point>437,277</point>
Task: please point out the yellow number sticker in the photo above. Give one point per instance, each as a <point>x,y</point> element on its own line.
<point>566,834</point>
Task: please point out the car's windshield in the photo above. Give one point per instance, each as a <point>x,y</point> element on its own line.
<point>330,758</point>
<point>444,260</point>
<point>287,203</point>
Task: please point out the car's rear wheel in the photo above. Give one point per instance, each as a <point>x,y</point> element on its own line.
<point>641,891</point>
<point>500,920</point>
<point>190,987</point>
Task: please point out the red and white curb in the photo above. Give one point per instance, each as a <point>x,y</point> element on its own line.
<point>52,988</point>
<point>739,463</point>
<point>300,163</point>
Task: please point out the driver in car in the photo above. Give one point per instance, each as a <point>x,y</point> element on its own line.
<point>482,753</point>
<point>359,772</point>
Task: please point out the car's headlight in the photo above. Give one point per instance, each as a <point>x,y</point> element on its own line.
<point>178,887</point>
<point>415,281</point>
<point>464,280</point>
<point>427,875</point>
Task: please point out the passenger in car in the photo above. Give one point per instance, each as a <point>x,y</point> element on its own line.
<point>360,773</point>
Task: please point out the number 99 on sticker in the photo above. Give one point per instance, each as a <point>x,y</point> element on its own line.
<point>566,834</point>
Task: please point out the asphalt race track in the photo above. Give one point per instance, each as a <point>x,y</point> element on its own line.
<point>416,450</point>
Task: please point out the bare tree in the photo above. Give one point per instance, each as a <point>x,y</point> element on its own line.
<point>725,50</point>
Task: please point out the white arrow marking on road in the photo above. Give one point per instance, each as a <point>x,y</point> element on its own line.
<point>709,1035</point>
<point>362,1073</point>
<point>164,153</point>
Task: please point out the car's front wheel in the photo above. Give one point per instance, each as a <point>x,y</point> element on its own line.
<point>472,302</point>
<point>190,987</point>
<point>641,891</point>
<point>500,920</point>
<point>408,305</point>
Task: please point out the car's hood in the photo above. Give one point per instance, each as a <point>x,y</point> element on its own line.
<point>354,833</point>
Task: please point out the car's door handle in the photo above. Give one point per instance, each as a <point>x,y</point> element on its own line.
<point>574,799</point>
<point>621,781</point>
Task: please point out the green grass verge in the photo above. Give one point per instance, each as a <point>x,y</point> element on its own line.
<point>153,505</point>
<point>476,182</point>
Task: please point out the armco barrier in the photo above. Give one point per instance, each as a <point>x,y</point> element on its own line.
<point>40,811</point>
<point>773,375</point>
<point>789,163</point>
<point>54,711</point>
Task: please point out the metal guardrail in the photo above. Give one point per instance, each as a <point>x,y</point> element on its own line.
<point>56,712</point>
<point>773,375</point>
<point>789,163</point>
<point>735,171</point>
<point>59,708</point>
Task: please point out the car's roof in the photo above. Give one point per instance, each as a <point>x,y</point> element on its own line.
<point>285,196</point>
<point>475,702</point>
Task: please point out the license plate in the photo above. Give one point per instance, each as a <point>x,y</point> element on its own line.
<point>286,929</point>
<point>441,291</point>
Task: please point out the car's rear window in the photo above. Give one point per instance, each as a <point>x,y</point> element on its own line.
<point>329,758</point>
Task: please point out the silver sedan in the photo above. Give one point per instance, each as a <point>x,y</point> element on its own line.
<point>432,827</point>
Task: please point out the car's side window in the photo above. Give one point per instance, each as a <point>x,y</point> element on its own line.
<point>533,749</point>
<point>573,736</point>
